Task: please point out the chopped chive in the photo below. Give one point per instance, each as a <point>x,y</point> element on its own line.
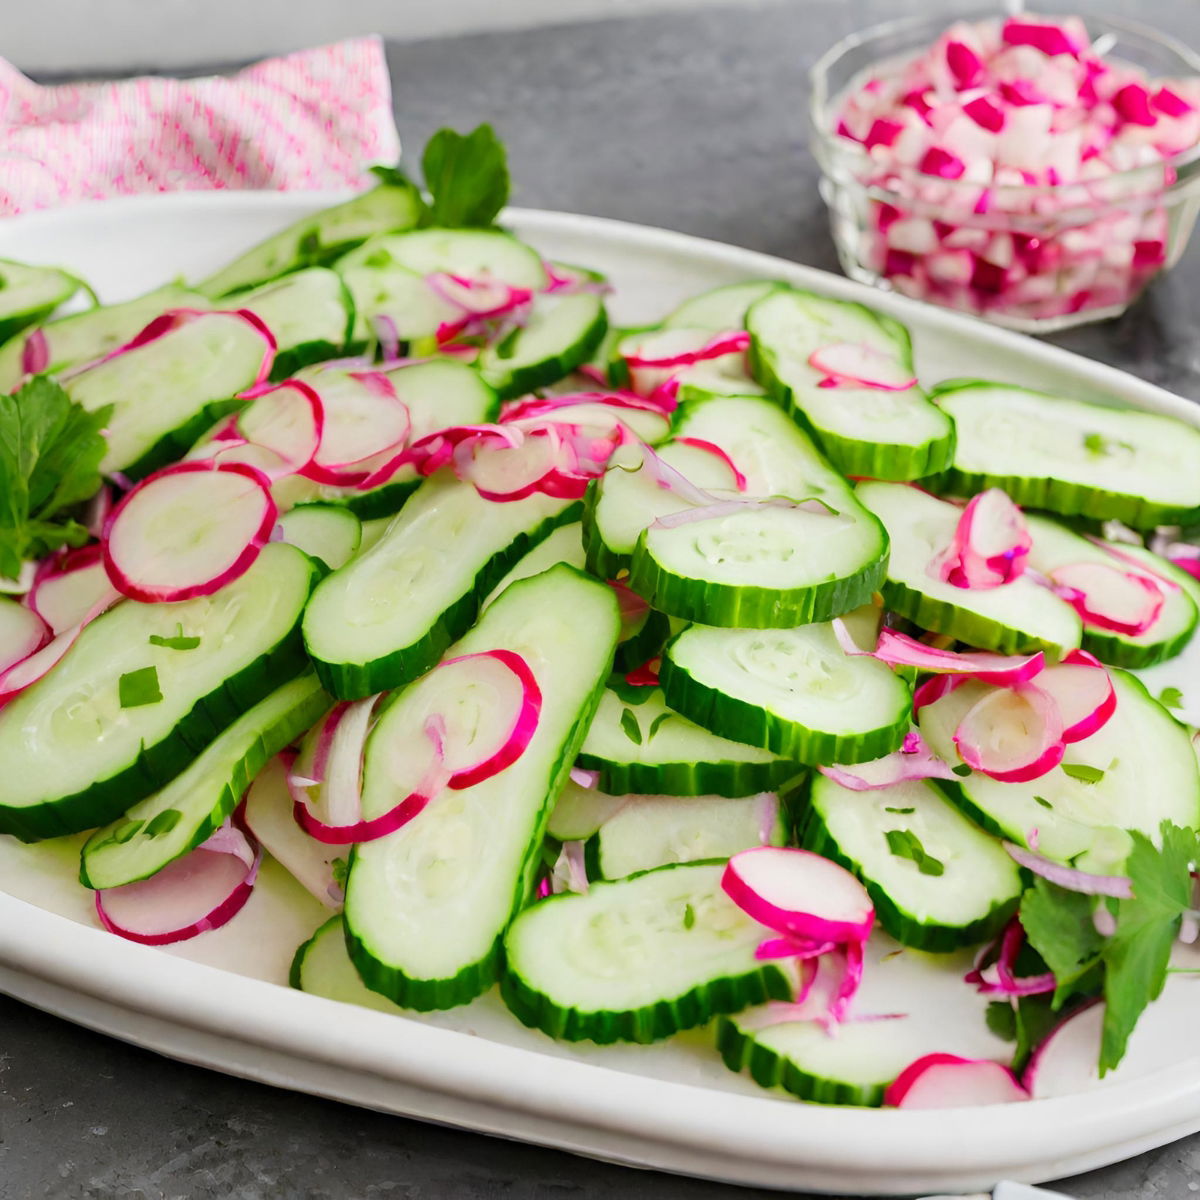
<point>1043,802</point>
<point>178,642</point>
<point>1083,772</point>
<point>136,688</point>
<point>903,843</point>
<point>629,723</point>
<point>901,811</point>
<point>656,724</point>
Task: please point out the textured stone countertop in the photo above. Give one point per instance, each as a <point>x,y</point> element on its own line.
<point>693,122</point>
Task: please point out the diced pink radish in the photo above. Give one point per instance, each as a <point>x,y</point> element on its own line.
<point>1012,735</point>
<point>860,365</point>
<point>990,546</point>
<point>1065,1061</point>
<point>187,530</point>
<point>948,1081</point>
<point>799,894</point>
<point>1050,37</point>
<point>1108,598</point>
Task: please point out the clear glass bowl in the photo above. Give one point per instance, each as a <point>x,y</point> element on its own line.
<point>1035,259</point>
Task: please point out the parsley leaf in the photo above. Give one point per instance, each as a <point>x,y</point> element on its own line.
<point>50,453</point>
<point>340,868</point>
<point>1043,802</point>
<point>176,642</point>
<point>629,723</point>
<point>1059,926</point>
<point>962,770</point>
<point>903,843</point>
<point>1083,772</point>
<point>1097,443</point>
<point>657,723</point>
<point>136,688</point>
<point>1002,1020</point>
<point>1170,697</point>
<point>466,176</point>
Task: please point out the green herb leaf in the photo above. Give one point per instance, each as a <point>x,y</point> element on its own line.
<point>1059,926</point>
<point>136,688</point>
<point>177,642</point>
<point>1097,443</point>
<point>1043,802</point>
<point>1002,1020</point>
<point>1083,772</point>
<point>689,916</point>
<point>962,770</point>
<point>50,452</point>
<point>902,811</point>
<point>629,693</point>
<point>163,822</point>
<point>657,724</point>
<point>341,871</point>
<point>629,723</point>
<point>903,843</point>
<point>1170,697</point>
<point>466,176</point>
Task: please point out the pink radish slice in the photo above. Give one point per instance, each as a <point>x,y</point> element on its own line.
<point>739,480</point>
<point>994,972</point>
<point>97,512</point>
<point>914,761</point>
<point>537,406</point>
<point>800,894</point>
<point>203,890</point>
<point>860,365</point>
<point>387,335</point>
<point>483,298</point>
<point>1109,598</point>
<point>900,650</point>
<point>187,530</point>
<point>286,420</point>
<point>76,584</point>
<point>948,1081</point>
<point>1189,563</point>
<point>934,688</point>
<point>362,422</point>
<point>734,342</point>
<point>1066,1060</point>
<point>35,353</point>
<point>1084,694</point>
<point>23,632</point>
<point>1071,878</point>
<point>1012,734</point>
<point>506,473</point>
<point>990,546</point>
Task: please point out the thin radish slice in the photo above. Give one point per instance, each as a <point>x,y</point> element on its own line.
<point>538,406</point>
<point>900,650</point>
<point>501,472</point>
<point>1071,878</point>
<point>188,530</point>
<point>482,298</point>
<point>436,450</point>
<point>22,632</point>
<point>1187,562</point>
<point>202,890</point>
<point>734,342</point>
<point>860,365</point>
<point>1012,734</point>
<point>1084,694</point>
<point>363,422</point>
<point>913,761</point>
<point>948,1081</point>
<point>934,688</point>
<point>75,584</point>
<point>739,480</point>
<point>97,511</point>
<point>994,972</point>
<point>1065,1062</point>
<point>1109,598</point>
<point>800,894</point>
<point>286,420</point>
<point>990,546</point>
<point>35,353</point>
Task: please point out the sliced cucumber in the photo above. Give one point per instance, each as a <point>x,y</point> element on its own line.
<point>81,337</point>
<point>1071,457</point>
<point>327,532</point>
<point>653,831</point>
<point>721,308</point>
<point>403,296</point>
<point>938,882</point>
<point>472,253</point>
<point>723,376</point>
<point>426,906</point>
<point>647,748</point>
<point>1021,615</point>
<point>167,392</point>
<point>1055,546</point>
<point>180,816</point>
<point>564,545</point>
<point>387,615</point>
<point>560,334</point>
<point>318,239</point>
<point>322,967</point>
<point>638,959</point>
<point>579,812</point>
<point>77,759</point>
<point>311,314</point>
<point>1147,774</point>
<point>792,691</point>
<point>29,294</point>
<point>864,431</point>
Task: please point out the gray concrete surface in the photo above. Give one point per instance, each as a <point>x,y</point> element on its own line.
<point>690,121</point>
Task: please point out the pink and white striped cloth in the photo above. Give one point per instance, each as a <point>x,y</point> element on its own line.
<point>316,119</point>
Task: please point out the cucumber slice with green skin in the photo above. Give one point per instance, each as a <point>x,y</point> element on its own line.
<point>564,545</point>
<point>1071,457</point>
<point>961,892</point>
<point>648,749</point>
<point>636,959</point>
<point>579,812</point>
<point>1020,616</point>
<point>318,239</point>
<point>1148,774</point>
<point>794,692</point>
<point>373,531</point>
<point>403,296</point>
<point>161,828</point>
<point>560,334</point>
<point>1054,547</point>
<point>724,376</point>
<point>81,337</point>
<point>721,308</point>
<point>311,314</point>
<point>327,532</point>
<point>387,616</point>
<point>322,967</point>
<point>427,906</point>
<point>29,294</point>
<point>169,391</point>
<point>78,759</point>
<point>864,431</point>
<point>653,831</point>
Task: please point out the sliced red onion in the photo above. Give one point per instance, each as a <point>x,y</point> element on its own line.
<point>1108,598</point>
<point>913,761</point>
<point>584,779</point>
<point>739,480</point>
<point>200,891</point>
<point>1012,734</point>
<point>387,334</point>
<point>1189,563</point>
<point>994,972</point>
<point>799,894</point>
<point>1083,690</point>
<point>948,1081</point>
<point>900,650</point>
<point>1070,878</point>
<point>188,530</point>
<point>860,365</point>
<point>561,279</point>
<point>990,546</point>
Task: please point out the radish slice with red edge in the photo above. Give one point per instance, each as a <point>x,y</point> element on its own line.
<point>286,420</point>
<point>1108,598</point>
<point>914,760</point>
<point>188,530</point>
<point>1066,1061</point>
<point>799,894</point>
<point>203,890</point>
<point>1084,694</point>
<point>990,546</point>
<point>70,585</point>
<point>364,420</point>
<point>900,650</point>
<point>483,298</point>
<point>536,406</point>
<point>934,688</point>
<point>23,632</point>
<point>1012,734</point>
<point>859,365</point>
<point>734,342</point>
<point>948,1081</point>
